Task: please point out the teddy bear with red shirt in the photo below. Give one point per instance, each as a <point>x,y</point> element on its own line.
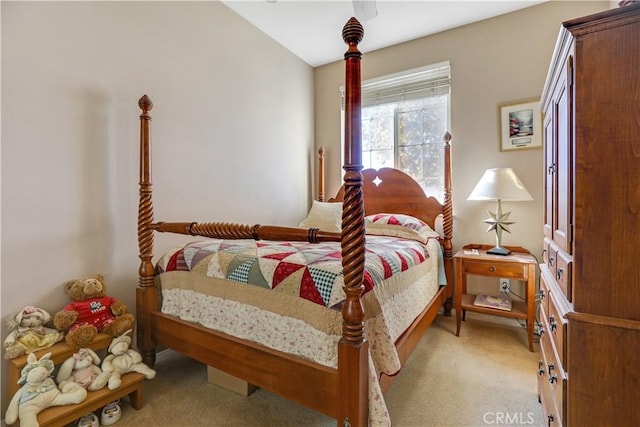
<point>91,311</point>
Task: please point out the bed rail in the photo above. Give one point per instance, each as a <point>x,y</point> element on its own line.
<point>226,230</point>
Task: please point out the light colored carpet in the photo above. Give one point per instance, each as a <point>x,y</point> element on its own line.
<point>486,376</point>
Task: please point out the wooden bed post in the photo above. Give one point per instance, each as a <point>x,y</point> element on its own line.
<point>353,349</point>
<point>146,293</point>
<point>447,225</point>
<point>321,174</point>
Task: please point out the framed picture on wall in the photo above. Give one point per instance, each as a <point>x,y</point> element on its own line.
<point>520,125</point>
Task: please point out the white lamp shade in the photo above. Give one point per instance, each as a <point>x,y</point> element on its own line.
<point>500,184</point>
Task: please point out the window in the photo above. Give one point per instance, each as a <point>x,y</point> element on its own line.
<point>404,119</point>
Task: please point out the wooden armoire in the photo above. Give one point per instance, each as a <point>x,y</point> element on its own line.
<point>589,369</point>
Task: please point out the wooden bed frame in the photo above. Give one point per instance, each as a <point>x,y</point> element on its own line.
<point>341,393</point>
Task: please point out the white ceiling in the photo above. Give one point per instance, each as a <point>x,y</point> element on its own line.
<point>312,29</point>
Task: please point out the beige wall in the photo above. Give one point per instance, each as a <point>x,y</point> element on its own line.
<point>72,73</point>
<point>492,62</point>
<point>233,116</point>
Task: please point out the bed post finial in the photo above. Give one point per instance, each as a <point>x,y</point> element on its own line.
<point>352,33</point>
<point>145,103</point>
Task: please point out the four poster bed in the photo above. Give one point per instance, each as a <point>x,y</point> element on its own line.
<point>347,315</point>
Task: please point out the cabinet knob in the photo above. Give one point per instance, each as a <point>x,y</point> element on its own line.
<point>551,261</point>
<point>559,274</point>
<point>550,419</point>
<point>551,169</point>
<point>492,268</point>
<point>553,379</point>
<point>552,323</point>
<point>542,294</point>
<point>550,368</point>
<point>540,370</point>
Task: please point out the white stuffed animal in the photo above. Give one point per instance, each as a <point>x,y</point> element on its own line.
<point>83,368</point>
<point>29,333</point>
<point>122,360</point>
<point>39,392</point>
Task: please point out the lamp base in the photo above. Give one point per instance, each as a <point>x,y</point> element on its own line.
<point>499,250</point>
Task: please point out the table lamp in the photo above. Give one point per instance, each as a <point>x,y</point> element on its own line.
<point>500,184</point>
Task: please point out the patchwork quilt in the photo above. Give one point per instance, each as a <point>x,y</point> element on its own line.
<point>312,271</point>
<point>288,296</point>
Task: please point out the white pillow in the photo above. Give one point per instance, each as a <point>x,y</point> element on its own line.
<point>324,216</point>
<point>398,225</point>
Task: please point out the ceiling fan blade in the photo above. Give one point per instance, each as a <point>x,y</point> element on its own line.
<point>365,9</point>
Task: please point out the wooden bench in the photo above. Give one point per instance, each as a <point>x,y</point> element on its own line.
<point>63,415</point>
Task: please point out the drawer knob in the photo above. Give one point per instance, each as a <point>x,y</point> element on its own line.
<point>553,379</point>
<point>559,274</point>
<point>540,370</point>
<point>492,268</point>
<point>542,294</point>
<point>550,419</point>
<point>552,323</point>
<point>550,368</point>
<point>550,261</point>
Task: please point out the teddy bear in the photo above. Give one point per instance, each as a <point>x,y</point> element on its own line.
<point>91,311</point>
<point>83,368</point>
<point>39,392</point>
<point>121,360</point>
<point>29,332</point>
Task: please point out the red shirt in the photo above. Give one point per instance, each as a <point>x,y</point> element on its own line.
<point>94,311</point>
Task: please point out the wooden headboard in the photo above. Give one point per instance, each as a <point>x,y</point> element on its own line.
<point>389,190</point>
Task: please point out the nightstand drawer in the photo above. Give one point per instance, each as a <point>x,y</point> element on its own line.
<point>496,269</point>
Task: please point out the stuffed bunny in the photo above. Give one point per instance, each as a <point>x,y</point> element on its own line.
<point>122,360</point>
<point>39,392</point>
<point>29,333</point>
<point>83,368</point>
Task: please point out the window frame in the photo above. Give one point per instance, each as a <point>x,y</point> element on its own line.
<point>393,88</point>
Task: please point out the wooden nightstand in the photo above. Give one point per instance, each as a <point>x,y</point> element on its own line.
<point>519,265</point>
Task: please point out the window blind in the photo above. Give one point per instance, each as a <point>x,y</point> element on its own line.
<point>431,80</point>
